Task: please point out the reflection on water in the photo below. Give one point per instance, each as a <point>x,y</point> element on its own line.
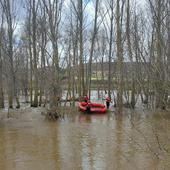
<point>102,142</point>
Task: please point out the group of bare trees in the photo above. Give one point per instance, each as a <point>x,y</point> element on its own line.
<point>7,50</point>
<point>60,40</point>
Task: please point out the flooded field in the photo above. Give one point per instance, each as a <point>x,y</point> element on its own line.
<point>130,141</point>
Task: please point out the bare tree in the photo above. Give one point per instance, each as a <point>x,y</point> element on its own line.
<point>42,43</point>
<point>53,11</point>
<point>1,63</point>
<point>130,54</point>
<point>119,48</point>
<point>92,45</point>
<point>82,90</point>
<point>110,48</point>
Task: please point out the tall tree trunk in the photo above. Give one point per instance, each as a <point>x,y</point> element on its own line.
<point>7,10</point>
<point>110,49</point>
<point>82,89</point>
<point>55,91</point>
<point>30,55</point>
<point>92,46</point>
<point>1,79</point>
<point>43,66</point>
<point>74,38</point>
<point>1,87</point>
<point>35,103</point>
<point>119,58</point>
<point>26,80</point>
<point>132,78</point>
<point>159,59</point>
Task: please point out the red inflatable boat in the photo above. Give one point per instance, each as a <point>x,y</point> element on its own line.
<point>94,107</point>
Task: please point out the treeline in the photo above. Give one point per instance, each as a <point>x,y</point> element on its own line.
<point>58,38</point>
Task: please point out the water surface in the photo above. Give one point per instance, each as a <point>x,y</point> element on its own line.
<point>76,141</point>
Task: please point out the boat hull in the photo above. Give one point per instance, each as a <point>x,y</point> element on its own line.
<point>95,107</point>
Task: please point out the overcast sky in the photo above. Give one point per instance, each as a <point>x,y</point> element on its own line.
<point>21,11</point>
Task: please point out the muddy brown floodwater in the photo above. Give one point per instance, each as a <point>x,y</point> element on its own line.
<point>130,141</point>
